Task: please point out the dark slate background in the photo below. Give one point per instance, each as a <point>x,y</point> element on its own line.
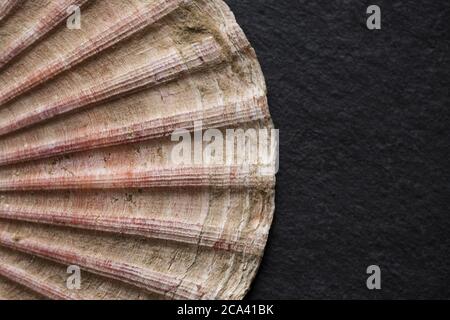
<point>364,120</point>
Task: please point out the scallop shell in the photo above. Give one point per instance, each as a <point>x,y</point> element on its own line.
<point>87,175</point>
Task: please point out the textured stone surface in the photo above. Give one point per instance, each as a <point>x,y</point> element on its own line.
<point>364,126</point>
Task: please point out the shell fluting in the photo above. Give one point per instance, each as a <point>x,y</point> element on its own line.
<point>92,122</point>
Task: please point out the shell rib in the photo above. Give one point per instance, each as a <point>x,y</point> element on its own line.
<point>10,290</point>
<point>49,280</point>
<point>115,73</point>
<point>83,47</point>
<point>52,16</point>
<point>103,254</point>
<point>221,97</point>
<point>6,6</point>
<point>150,214</point>
<point>190,59</point>
<point>87,169</point>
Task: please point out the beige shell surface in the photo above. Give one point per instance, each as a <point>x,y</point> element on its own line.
<point>87,175</point>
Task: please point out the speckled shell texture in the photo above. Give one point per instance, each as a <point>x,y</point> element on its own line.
<point>86,176</point>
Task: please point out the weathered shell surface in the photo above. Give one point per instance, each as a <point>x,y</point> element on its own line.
<point>85,173</point>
